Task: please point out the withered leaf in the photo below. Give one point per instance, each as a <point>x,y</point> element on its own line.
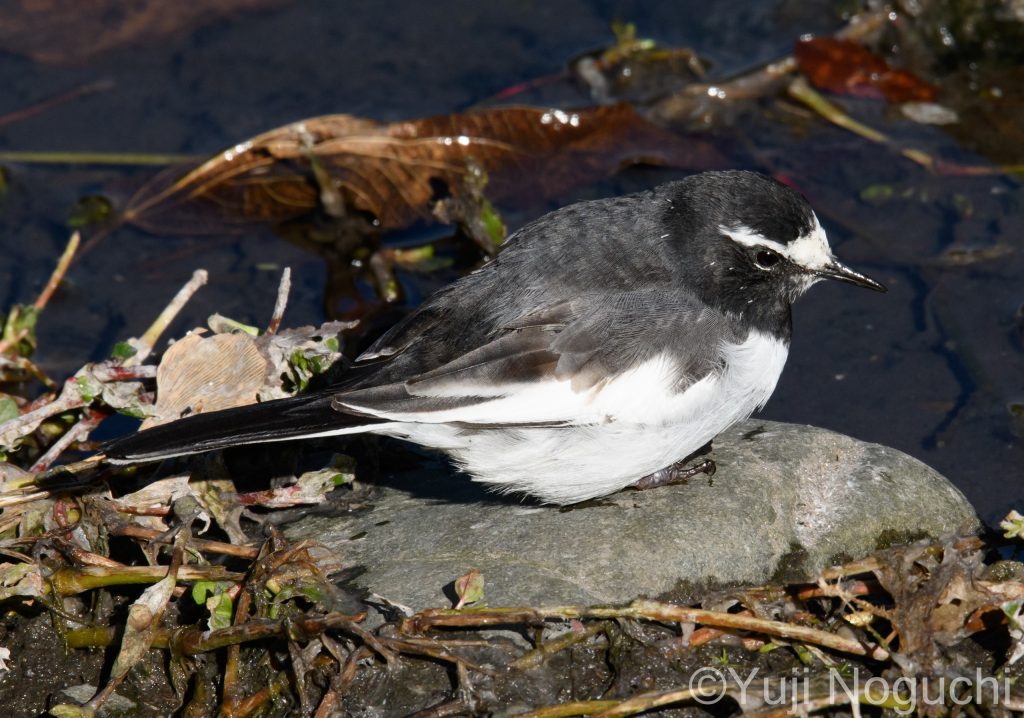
<point>845,67</point>
<point>397,172</point>
<point>206,374</point>
<point>144,617</point>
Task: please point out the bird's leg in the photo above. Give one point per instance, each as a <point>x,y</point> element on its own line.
<point>678,472</point>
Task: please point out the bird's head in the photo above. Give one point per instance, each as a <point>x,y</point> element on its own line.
<point>749,243</point>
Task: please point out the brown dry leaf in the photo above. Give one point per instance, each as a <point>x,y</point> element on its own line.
<point>845,67</point>
<point>207,374</point>
<point>934,590</point>
<point>397,172</point>
<point>143,621</point>
<point>68,31</point>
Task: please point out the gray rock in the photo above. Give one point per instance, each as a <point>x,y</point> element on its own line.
<point>115,706</point>
<point>786,501</point>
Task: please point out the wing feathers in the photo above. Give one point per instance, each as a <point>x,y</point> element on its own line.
<point>293,418</point>
<point>581,360</point>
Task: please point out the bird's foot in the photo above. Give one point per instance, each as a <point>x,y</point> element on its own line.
<point>678,472</point>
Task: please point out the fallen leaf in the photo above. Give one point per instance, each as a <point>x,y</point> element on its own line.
<point>143,620</point>
<point>469,587</point>
<point>206,374</point>
<point>398,172</point>
<point>845,67</point>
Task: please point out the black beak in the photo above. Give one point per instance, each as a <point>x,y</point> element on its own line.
<point>837,270</point>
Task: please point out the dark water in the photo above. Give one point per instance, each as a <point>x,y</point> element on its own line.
<point>930,368</point>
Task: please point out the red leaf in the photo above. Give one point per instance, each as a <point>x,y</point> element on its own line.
<point>844,67</point>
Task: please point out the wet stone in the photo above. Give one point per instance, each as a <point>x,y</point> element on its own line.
<point>786,501</point>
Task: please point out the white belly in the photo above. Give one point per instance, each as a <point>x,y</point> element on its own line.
<point>636,425</point>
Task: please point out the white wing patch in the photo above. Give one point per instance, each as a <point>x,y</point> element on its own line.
<point>618,432</point>
<point>810,251</point>
<point>647,394</point>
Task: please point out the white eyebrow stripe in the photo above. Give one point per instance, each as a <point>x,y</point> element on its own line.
<point>749,238</point>
<point>810,251</point>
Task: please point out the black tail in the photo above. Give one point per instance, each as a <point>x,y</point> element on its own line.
<point>292,418</point>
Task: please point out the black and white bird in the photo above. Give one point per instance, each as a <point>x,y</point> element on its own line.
<point>607,342</point>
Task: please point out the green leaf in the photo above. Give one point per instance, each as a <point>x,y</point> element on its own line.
<point>492,222</point>
<point>200,589</point>
<point>221,609</point>
<point>88,388</point>
<point>123,350</point>
<point>877,193</point>
<point>90,210</point>
<point>19,329</point>
<point>8,409</point>
<point>469,587</point>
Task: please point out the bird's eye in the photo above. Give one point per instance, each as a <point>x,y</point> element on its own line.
<point>766,259</point>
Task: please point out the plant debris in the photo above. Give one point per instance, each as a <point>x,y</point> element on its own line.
<point>397,173</point>
<point>247,621</point>
<point>845,67</point>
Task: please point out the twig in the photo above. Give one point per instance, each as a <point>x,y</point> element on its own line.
<point>58,273</point>
<point>652,611</point>
<point>74,395</point>
<point>565,710</point>
<point>227,549</point>
<point>695,102</point>
<point>147,341</point>
<point>648,701</point>
<point>443,710</point>
<point>191,641</point>
<point>800,90</point>
<point>875,563</point>
<point>6,344</point>
<point>341,681</point>
<point>247,705</point>
<point>534,658</point>
<point>282,301</point>
<point>113,371</point>
<point>438,653</point>
<point>55,101</point>
<point>138,159</point>
<point>384,275</point>
<point>853,588</point>
<point>51,286</point>
<point>90,419</point>
<point>229,684</point>
<point>70,398</point>
<point>82,557</point>
<point>72,581</point>
<point>29,492</point>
